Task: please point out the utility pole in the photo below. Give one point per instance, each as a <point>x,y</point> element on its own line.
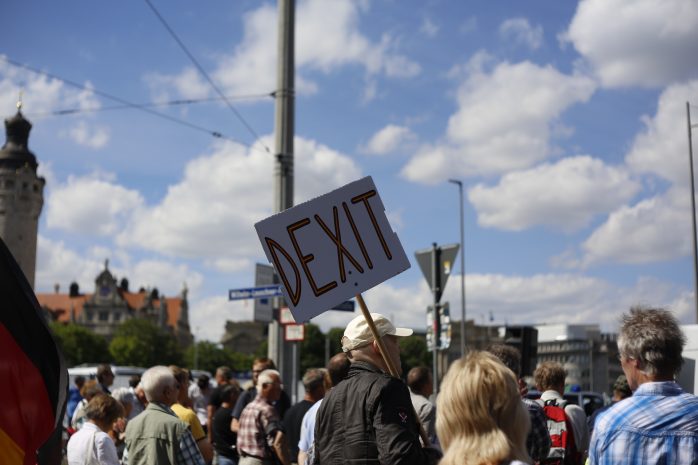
<point>283,162</point>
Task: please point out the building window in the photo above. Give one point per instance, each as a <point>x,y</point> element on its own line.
<point>9,184</point>
<point>117,316</point>
<point>103,316</point>
<point>88,316</point>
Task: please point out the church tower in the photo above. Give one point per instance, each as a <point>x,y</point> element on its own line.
<point>21,194</point>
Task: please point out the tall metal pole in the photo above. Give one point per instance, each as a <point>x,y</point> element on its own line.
<point>283,163</point>
<point>436,291</point>
<point>693,207</point>
<point>462,267</point>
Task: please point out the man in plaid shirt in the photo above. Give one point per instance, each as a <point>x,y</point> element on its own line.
<point>261,439</point>
<point>659,423</point>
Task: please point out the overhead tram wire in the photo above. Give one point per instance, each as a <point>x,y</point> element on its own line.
<point>205,74</point>
<point>73,111</point>
<point>126,103</point>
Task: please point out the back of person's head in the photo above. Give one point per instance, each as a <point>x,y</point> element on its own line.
<point>133,381</point>
<point>481,419</point>
<point>652,336</point>
<point>180,374</point>
<point>124,395</point>
<point>338,367</point>
<point>230,393</point>
<point>313,379</point>
<point>103,371</point>
<point>418,379</point>
<point>621,388</point>
<point>266,377</point>
<point>202,381</point>
<point>79,381</point>
<point>266,362</point>
<point>549,376</point>
<point>224,373</point>
<point>155,380</point>
<point>104,408</point>
<point>508,355</point>
<point>90,388</point>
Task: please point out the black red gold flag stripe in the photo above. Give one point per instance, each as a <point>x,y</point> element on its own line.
<point>33,376</point>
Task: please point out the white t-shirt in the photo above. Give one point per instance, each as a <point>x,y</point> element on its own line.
<point>93,441</point>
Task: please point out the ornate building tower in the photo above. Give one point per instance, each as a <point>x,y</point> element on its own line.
<point>21,194</point>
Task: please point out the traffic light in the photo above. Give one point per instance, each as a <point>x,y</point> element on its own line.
<point>524,338</point>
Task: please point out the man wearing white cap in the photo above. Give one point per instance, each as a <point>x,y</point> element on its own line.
<point>368,418</point>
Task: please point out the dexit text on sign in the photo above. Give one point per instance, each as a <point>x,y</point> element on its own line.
<point>331,248</point>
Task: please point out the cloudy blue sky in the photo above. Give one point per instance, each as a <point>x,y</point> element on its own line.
<point>566,122</point>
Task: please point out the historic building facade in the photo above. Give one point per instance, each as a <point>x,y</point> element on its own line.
<point>21,194</point>
<point>111,303</point>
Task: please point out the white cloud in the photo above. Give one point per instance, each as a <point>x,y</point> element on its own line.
<point>655,229</point>
<point>389,139</point>
<point>327,38</point>
<point>503,121</point>
<point>89,135</point>
<point>429,28</point>
<point>91,205</point>
<point>189,84</point>
<point>637,42</point>
<point>57,263</point>
<point>662,148</point>
<point>566,195</point>
<point>515,299</point>
<point>520,31</point>
<point>210,213</point>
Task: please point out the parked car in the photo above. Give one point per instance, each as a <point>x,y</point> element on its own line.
<point>121,374</point>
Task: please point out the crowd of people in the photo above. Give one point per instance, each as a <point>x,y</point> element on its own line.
<point>358,410</point>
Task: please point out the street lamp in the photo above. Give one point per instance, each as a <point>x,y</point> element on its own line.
<point>462,267</point>
<point>693,206</point>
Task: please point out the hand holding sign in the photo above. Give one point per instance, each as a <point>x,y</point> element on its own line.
<point>331,248</point>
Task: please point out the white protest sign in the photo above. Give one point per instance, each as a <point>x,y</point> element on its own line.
<point>331,248</point>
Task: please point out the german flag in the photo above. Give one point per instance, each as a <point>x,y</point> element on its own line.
<point>33,376</point>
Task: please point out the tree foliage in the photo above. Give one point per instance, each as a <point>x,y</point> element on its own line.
<point>335,337</point>
<point>80,345</point>
<point>210,356</point>
<point>312,349</point>
<point>413,352</point>
<point>141,343</point>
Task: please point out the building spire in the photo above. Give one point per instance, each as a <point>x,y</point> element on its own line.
<point>19,100</point>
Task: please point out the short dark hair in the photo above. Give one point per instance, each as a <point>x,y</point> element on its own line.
<point>652,336</point>
<point>102,370</point>
<point>224,372</point>
<point>229,391</point>
<point>418,378</point>
<point>508,355</point>
<point>338,367</point>
<point>134,380</point>
<point>266,361</point>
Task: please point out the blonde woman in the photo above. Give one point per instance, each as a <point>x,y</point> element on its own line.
<point>480,419</point>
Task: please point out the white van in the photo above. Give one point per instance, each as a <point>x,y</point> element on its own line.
<point>121,374</point>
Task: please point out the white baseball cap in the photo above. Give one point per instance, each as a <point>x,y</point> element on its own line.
<point>358,333</point>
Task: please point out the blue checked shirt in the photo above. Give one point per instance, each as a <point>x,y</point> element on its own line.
<point>658,425</point>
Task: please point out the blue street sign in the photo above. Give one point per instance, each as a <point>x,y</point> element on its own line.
<point>346,306</point>
<point>260,292</point>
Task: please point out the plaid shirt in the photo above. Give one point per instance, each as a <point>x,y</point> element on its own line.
<point>258,421</point>
<point>657,425</point>
<point>538,440</point>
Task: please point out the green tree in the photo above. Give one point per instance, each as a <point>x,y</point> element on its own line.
<point>80,345</point>
<point>312,349</point>
<point>210,356</point>
<point>335,337</point>
<point>141,343</point>
<point>413,352</point>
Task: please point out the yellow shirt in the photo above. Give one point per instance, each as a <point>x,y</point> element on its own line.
<point>188,416</point>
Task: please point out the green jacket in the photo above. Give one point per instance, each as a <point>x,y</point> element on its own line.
<point>152,437</point>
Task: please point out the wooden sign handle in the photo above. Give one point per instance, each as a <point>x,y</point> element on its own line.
<point>388,361</point>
